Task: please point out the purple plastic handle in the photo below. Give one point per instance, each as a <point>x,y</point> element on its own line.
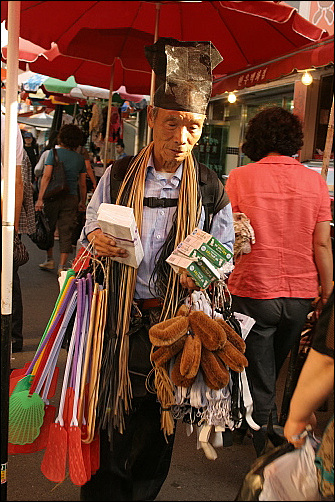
<point>90,293</point>
<point>53,326</point>
<point>80,303</point>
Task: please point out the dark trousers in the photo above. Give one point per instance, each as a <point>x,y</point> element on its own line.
<point>137,466</point>
<point>17,309</point>
<point>279,323</point>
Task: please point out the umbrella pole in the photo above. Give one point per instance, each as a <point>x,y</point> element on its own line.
<point>328,145</point>
<point>8,210</point>
<point>109,113</point>
<point>153,76</point>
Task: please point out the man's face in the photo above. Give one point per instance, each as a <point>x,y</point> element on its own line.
<point>118,149</point>
<point>174,134</point>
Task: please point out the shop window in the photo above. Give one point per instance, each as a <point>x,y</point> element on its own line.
<point>212,146</point>
<point>324,106</point>
<point>218,108</point>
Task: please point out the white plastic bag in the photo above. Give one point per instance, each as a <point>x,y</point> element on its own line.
<point>292,476</point>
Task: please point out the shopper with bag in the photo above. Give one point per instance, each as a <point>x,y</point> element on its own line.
<point>61,206</point>
<point>315,384</point>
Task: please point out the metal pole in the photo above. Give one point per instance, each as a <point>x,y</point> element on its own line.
<point>328,144</point>
<point>109,113</point>
<point>8,210</point>
<point>153,76</point>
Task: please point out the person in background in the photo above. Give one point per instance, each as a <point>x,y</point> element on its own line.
<point>134,462</point>
<point>289,209</point>
<point>31,147</point>
<point>26,226</point>
<point>91,184</point>
<point>316,380</point>
<point>39,168</point>
<point>62,210</point>
<point>83,151</point>
<point>314,387</point>
<point>120,150</point>
<point>17,310</point>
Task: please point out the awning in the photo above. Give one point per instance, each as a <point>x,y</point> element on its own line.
<point>313,55</point>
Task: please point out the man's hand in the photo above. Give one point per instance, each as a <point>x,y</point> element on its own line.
<point>105,246</point>
<point>187,282</point>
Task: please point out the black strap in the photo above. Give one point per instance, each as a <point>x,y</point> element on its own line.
<point>56,158</point>
<point>156,202</point>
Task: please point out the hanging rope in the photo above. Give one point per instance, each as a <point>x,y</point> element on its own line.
<point>116,394</point>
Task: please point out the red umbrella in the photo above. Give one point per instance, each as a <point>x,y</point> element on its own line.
<point>54,64</point>
<point>310,56</point>
<point>245,33</point>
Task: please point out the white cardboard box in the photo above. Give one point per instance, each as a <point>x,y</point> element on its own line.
<point>119,223</point>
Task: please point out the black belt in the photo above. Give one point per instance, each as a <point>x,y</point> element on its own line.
<point>156,202</point>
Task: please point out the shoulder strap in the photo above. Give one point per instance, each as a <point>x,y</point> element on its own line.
<point>56,159</point>
<point>118,172</point>
<point>214,196</point>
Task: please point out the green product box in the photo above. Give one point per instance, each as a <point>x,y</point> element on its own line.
<point>200,278</point>
<point>209,252</point>
<point>208,269</point>
<point>195,248</point>
<point>220,248</point>
<point>214,243</point>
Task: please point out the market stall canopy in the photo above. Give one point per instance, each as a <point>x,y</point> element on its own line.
<point>311,56</point>
<point>70,88</point>
<point>40,120</point>
<point>35,80</point>
<point>98,92</point>
<point>246,34</point>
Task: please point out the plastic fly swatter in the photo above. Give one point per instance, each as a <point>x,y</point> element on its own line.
<point>26,407</point>
<point>53,465</point>
<point>77,469</point>
<point>43,384</point>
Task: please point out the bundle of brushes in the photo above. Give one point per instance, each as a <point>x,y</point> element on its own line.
<point>197,342</point>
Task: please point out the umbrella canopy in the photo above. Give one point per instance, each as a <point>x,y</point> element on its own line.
<point>36,80</point>
<point>245,33</point>
<point>70,86</point>
<point>310,56</point>
<point>51,62</point>
<point>41,120</point>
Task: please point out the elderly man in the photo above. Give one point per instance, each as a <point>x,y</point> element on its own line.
<point>173,194</point>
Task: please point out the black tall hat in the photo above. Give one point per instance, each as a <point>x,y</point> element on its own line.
<point>183,73</point>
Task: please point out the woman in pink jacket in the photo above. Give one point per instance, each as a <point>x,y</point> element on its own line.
<point>291,261</point>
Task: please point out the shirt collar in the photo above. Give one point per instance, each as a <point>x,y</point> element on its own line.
<point>278,159</point>
<point>152,173</point>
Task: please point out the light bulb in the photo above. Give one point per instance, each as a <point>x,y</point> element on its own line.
<point>306,78</point>
<point>231,97</point>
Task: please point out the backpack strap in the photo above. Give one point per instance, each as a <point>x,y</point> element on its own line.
<point>118,172</point>
<point>214,196</point>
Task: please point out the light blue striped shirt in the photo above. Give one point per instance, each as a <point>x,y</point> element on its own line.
<point>157,222</point>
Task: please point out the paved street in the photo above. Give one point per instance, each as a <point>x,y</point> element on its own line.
<point>191,477</point>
